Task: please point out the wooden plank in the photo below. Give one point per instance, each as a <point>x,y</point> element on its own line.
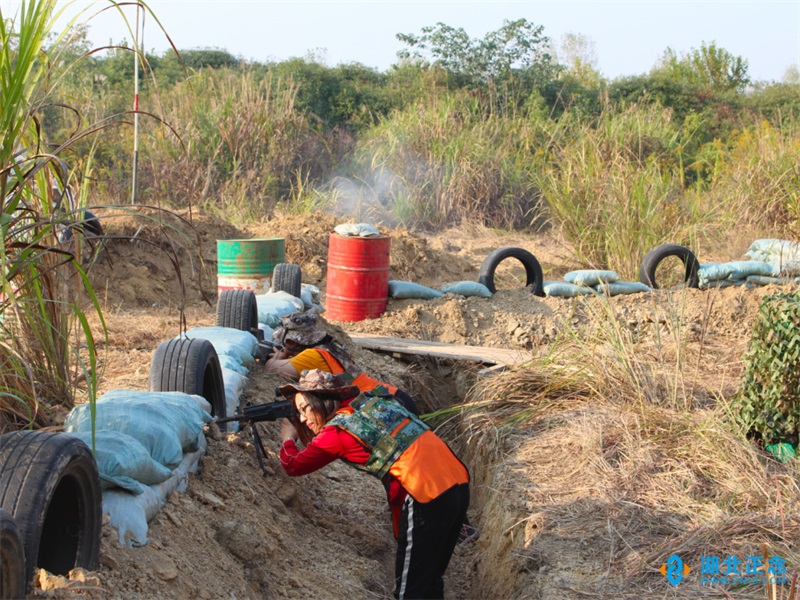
<point>479,354</point>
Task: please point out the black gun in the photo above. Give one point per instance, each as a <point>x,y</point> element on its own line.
<point>265,350</point>
<point>256,413</point>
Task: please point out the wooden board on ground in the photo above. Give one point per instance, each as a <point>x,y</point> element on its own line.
<point>479,354</point>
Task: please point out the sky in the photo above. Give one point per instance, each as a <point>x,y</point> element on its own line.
<point>628,37</point>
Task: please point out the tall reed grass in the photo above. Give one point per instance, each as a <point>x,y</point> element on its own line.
<point>758,180</point>
<point>47,345</point>
<point>239,146</point>
<point>444,159</point>
<point>615,189</point>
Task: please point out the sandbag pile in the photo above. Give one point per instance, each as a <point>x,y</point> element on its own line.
<point>406,289</point>
<point>140,436</point>
<point>592,281</point>
<point>236,350</point>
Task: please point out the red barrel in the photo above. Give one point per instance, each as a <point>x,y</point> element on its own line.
<point>358,277</point>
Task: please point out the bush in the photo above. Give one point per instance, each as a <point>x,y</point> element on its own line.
<point>769,402</point>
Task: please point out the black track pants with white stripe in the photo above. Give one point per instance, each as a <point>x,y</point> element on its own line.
<point>426,540</point>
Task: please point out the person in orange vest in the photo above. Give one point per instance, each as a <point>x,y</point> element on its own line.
<point>428,486</point>
<point>306,346</point>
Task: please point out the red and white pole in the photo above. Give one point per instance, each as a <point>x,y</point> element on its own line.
<point>135,107</point>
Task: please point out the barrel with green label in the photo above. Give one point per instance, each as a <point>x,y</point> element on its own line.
<point>248,264</point>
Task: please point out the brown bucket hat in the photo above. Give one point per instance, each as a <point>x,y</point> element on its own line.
<point>300,328</point>
<point>320,383</point>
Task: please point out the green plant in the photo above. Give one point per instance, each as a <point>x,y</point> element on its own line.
<point>769,401</point>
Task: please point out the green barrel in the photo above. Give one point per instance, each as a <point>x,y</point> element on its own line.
<point>248,264</point>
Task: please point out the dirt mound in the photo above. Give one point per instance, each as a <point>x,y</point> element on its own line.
<point>411,258</point>
<point>157,258</point>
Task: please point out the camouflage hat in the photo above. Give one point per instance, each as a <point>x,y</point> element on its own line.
<point>300,328</point>
<point>320,383</point>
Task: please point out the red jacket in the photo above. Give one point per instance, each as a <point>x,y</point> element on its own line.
<point>332,443</point>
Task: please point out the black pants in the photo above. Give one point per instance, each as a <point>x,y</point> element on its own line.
<point>427,538</point>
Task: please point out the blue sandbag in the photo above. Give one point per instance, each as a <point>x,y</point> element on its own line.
<point>241,345</point>
<point>407,289</point>
<point>618,288</point>
<point>167,424</point>
<point>123,461</point>
<point>467,288</point>
<point>590,277</point>
<point>562,289</point>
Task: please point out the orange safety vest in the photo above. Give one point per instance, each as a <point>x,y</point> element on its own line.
<point>364,382</point>
<point>425,466</point>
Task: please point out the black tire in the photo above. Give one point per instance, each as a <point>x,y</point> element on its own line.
<point>533,270</point>
<point>12,559</point>
<point>286,278</point>
<point>50,485</point>
<point>238,309</point>
<point>192,367</point>
<point>647,273</point>
<point>89,227</point>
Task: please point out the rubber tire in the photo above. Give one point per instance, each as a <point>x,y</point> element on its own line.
<point>533,270</point>
<point>192,367</point>
<point>89,226</point>
<point>647,272</point>
<point>238,309</point>
<point>50,484</point>
<point>12,559</point>
<point>286,278</point>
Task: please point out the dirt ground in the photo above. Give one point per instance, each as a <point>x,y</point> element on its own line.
<point>238,534</point>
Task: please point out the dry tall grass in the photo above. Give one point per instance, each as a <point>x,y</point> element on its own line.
<point>605,442</point>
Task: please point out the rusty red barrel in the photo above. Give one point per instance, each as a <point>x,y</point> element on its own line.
<point>358,277</point>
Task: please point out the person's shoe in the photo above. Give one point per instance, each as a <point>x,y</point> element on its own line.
<point>467,535</point>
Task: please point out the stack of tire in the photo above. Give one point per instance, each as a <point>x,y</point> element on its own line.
<point>50,508</point>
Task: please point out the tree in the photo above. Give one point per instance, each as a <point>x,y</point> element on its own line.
<point>577,54</point>
<point>518,47</point>
<point>709,67</point>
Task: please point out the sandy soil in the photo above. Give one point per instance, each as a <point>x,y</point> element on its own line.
<point>238,534</point>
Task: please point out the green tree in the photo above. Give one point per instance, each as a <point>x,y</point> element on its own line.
<point>518,47</point>
<point>709,67</point>
<point>577,54</point>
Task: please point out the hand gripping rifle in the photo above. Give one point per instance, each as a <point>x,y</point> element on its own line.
<point>265,350</point>
<point>256,413</point>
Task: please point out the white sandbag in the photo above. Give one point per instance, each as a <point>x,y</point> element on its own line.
<point>130,514</point>
<point>274,305</point>
<point>590,277</point>
<point>122,461</point>
<point>619,288</point>
<point>466,288</point>
<point>165,423</point>
<point>407,289</point>
<point>562,289</point>
<point>235,343</point>
<point>357,229</point>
